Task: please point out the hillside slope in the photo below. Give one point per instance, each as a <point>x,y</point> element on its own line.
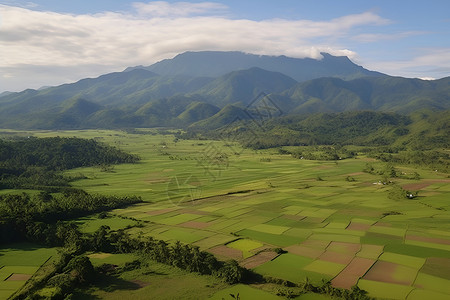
<point>217,63</point>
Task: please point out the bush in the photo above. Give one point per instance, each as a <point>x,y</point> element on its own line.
<point>81,268</point>
<point>63,281</point>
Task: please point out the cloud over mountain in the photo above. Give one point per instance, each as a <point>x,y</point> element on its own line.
<point>32,39</point>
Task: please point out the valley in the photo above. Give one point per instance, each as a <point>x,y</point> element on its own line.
<point>224,150</point>
<point>291,220</point>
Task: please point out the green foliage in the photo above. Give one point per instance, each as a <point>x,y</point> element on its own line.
<point>398,193</point>
<point>360,128</point>
<point>323,153</point>
<point>190,258</point>
<point>80,267</point>
<point>335,132</point>
<point>63,281</point>
<point>279,250</point>
<point>231,272</point>
<point>35,162</point>
<point>36,219</point>
<point>435,159</point>
<point>140,98</point>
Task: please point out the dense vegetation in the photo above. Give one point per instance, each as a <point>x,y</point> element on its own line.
<point>348,112</point>
<point>366,128</point>
<point>178,95</point>
<point>37,218</point>
<point>46,218</point>
<point>418,139</point>
<point>35,163</point>
<point>73,269</point>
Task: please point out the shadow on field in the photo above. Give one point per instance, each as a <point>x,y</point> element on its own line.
<point>154,273</point>
<point>106,283</point>
<point>109,284</point>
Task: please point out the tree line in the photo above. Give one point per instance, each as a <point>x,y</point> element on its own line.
<point>35,163</point>
<point>73,268</point>
<point>38,218</point>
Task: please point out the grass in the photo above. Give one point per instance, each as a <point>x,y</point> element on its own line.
<point>20,258</point>
<point>406,260</point>
<point>388,230</point>
<point>325,267</point>
<point>439,267</point>
<point>266,228</point>
<point>312,296</point>
<point>336,237</point>
<point>245,246</point>
<point>156,281</point>
<point>278,204</point>
<point>370,251</point>
<point>178,219</point>
<point>288,266</point>
<point>184,235</point>
<point>419,294</point>
<point>385,290</point>
<point>273,239</point>
<point>433,283</point>
<point>417,251</point>
<point>24,254</point>
<point>109,258</point>
<point>216,239</point>
<point>245,292</point>
<point>428,245</point>
<point>92,223</point>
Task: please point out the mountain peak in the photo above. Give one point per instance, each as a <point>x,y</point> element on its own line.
<point>217,63</point>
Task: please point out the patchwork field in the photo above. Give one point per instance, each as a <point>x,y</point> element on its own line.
<point>246,208</point>
<point>18,262</point>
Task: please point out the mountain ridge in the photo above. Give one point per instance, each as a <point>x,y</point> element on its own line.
<point>142,98</point>
<point>218,63</point>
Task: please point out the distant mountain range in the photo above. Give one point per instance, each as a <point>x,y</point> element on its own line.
<point>196,87</point>
<point>215,64</point>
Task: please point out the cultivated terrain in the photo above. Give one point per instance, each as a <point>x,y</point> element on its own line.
<point>226,175</point>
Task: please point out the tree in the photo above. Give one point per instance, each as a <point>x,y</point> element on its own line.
<point>231,272</point>
<point>80,267</point>
<point>99,240</point>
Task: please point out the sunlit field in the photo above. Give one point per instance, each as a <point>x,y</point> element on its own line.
<point>283,217</point>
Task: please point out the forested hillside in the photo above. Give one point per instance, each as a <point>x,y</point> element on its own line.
<point>420,138</point>
<point>165,96</point>
<point>35,162</point>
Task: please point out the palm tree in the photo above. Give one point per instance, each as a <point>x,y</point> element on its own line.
<point>177,255</point>
<point>162,251</point>
<point>307,286</point>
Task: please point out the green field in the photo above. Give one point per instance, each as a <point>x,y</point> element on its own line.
<point>258,205</point>
<point>18,262</point>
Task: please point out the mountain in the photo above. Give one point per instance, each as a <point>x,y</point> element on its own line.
<point>142,98</point>
<point>197,111</point>
<point>120,88</point>
<point>423,130</point>
<point>244,85</point>
<point>226,116</point>
<point>403,95</point>
<point>6,93</point>
<point>217,63</point>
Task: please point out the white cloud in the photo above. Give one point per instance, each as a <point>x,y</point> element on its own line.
<point>178,9</point>
<point>155,31</point>
<point>430,63</point>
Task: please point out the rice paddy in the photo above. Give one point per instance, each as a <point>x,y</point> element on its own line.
<point>18,262</point>
<point>349,232</point>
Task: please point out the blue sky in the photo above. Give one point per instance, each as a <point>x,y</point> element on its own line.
<point>52,42</point>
